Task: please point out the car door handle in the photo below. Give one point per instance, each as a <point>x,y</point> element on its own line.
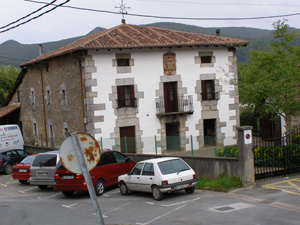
<point>150,178</point>
<point>138,178</point>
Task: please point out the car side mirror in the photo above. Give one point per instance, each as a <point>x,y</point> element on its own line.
<point>127,159</point>
<point>129,174</point>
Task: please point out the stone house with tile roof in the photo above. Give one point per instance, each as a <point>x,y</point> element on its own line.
<point>131,84</point>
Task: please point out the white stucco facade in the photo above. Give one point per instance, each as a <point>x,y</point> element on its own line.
<point>146,74</point>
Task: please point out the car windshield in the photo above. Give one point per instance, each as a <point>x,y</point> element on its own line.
<point>172,166</point>
<point>28,160</point>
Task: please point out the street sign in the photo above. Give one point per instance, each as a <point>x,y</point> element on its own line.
<point>90,149</point>
<point>80,153</point>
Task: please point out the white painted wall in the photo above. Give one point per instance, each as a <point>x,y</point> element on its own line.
<point>147,69</point>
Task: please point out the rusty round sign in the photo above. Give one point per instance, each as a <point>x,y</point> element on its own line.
<point>90,150</point>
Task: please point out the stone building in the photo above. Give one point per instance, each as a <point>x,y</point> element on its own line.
<point>137,82</point>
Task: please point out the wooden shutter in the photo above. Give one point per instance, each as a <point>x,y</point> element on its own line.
<point>121,97</point>
<point>132,97</point>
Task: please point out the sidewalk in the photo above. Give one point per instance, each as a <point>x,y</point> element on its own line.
<point>282,192</point>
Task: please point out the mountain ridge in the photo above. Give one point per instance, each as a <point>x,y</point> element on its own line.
<point>15,53</point>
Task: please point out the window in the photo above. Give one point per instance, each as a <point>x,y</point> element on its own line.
<point>34,129</point>
<point>66,132</point>
<point>206,59</point>
<point>32,96</point>
<point>148,169</point>
<point>106,159</point>
<point>137,169</point>
<point>120,158</point>
<point>123,62</point>
<point>48,97</point>
<point>63,97</point>
<point>47,160</point>
<point>51,136</point>
<point>172,166</point>
<point>126,96</point>
<point>208,90</point>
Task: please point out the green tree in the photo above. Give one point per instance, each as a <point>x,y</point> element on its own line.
<point>270,81</point>
<point>8,75</point>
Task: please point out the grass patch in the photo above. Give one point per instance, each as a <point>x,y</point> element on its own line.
<point>222,183</point>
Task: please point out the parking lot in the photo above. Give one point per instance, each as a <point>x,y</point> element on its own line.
<point>26,204</point>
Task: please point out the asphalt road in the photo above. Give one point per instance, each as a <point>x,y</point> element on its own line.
<point>275,201</point>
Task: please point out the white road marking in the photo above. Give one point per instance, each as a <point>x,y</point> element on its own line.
<point>49,196</point>
<point>108,194</point>
<point>27,190</point>
<point>150,203</point>
<point>70,206</point>
<point>179,203</point>
<point>104,214</point>
<point>163,215</point>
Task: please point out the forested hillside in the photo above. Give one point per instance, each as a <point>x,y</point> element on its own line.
<point>14,53</point>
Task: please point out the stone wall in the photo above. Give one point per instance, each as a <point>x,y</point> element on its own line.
<point>51,101</point>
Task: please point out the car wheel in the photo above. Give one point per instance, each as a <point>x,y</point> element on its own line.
<point>42,187</point>
<point>190,190</point>
<point>8,169</point>
<point>68,193</point>
<point>99,187</point>
<point>124,189</point>
<point>23,181</point>
<point>157,194</point>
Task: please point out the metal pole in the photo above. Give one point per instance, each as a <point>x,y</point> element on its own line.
<point>87,178</point>
<point>101,144</point>
<point>125,144</point>
<point>192,145</point>
<point>155,144</point>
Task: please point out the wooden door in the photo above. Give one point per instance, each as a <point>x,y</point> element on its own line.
<point>173,138</point>
<point>128,142</point>
<point>170,97</point>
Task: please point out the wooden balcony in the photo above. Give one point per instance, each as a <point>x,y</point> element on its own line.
<point>180,105</point>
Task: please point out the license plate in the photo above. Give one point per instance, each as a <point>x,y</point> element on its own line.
<point>179,187</point>
<point>22,170</point>
<point>68,177</point>
<point>42,174</point>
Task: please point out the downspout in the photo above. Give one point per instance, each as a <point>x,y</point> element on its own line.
<point>44,107</point>
<point>82,89</point>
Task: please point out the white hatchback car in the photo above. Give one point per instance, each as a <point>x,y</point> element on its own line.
<point>159,176</point>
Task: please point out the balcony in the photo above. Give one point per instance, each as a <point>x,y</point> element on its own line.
<point>181,105</point>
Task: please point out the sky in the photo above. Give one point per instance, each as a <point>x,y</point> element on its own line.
<point>67,22</point>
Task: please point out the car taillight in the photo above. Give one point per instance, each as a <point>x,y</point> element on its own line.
<point>1,162</point>
<point>164,182</point>
<point>56,177</point>
<point>194,176</point>
<point>78,176</point>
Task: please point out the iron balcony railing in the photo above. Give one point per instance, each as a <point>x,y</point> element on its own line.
<point>184,104</point>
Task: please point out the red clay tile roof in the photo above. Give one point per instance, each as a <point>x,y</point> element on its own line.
<point>136,36</point>
<point>8,109</point>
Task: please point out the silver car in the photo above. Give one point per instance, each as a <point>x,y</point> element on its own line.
<point>42,169</point>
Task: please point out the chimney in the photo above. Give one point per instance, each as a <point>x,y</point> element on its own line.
<point>217,32</point>
<point>40,49</point>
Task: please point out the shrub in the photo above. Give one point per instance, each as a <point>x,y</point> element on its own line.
<point>229,151</point>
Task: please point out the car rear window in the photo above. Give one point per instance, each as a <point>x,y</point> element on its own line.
<point>172,166</point>
<point>22,153</point>
<point>45,160</point>
<point>28,160</point>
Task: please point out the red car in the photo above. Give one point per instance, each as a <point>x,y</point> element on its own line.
<point>21,171</point>
<point>112,164</point>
